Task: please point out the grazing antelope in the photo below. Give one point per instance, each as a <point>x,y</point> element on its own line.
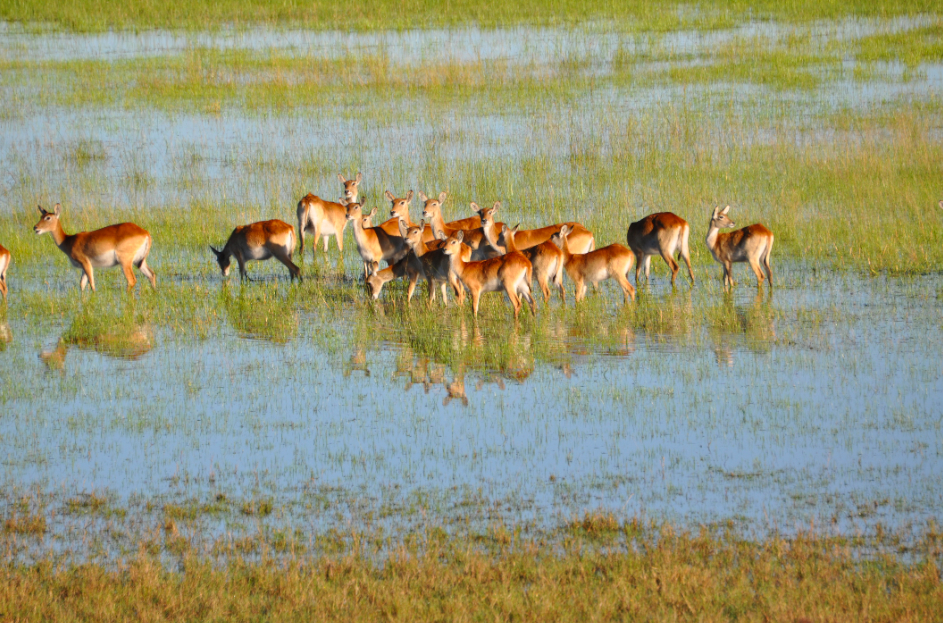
<point>325,218</point>
<point>124,244</point>
<point>613,261</point>
<point>5,259</point>
<point>661,234</point>
<point>373,243</point>
<point>546,258</point>
<point>511,272</point>
<point>259,241</point>
<point>751,244</point>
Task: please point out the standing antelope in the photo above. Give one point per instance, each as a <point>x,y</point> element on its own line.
<point>511,272</point>
<point>124,244</point>
<point>546,258</point>
<point>436,265</point>
<point>325,218</point>
<point>432,213</point>
<point>613,261</point>
<point>4,265</point>
<point>373,243</point>
<point>751,244</point>
<point>476,239</point>
<point>661,234</point>
<point>259,241</point>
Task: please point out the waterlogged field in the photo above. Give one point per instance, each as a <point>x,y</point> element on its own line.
<point>233,419</point>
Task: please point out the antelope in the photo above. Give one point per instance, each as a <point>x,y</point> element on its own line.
<point>5,258</point>
<point>662,234</point>
<point>432,213</point>
<point>124,244</point>
<point>259,241</point>
<point>435,264</point>
<point>373,243</point>
<point>581,239</point>
<point>546,258</point>
<point>399,211</point>
<point>613,261</point>
<point>476,238</point>
<point>511,272</point>
<point>325,218</point>
<point>751,244</point>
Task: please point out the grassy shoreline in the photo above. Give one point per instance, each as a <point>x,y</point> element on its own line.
<point>598,569</point>
<point>370,15</point>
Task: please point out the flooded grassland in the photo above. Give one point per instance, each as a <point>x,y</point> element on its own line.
<point>208,413</point>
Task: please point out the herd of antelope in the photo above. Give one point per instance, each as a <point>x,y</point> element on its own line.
<point>477,254</point>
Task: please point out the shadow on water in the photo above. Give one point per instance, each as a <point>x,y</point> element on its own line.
<point>120,335</point>
<point>259,312</point>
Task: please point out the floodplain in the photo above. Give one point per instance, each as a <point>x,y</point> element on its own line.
<point>278,422</point>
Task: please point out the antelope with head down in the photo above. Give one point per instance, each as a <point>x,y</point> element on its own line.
<point>613,261</point>
<point>125,245</point>
<point>661,234</point>
<point>511,273</point>
<point>259,241</point>
<point>752,244</point>
<point>5,259</point>
<point>326,218</point>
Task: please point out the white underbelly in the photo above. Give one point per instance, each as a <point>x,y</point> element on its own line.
<point>327,228</point>
<point>260,253</point>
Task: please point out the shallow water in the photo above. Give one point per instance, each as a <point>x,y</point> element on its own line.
<point>799,411</point>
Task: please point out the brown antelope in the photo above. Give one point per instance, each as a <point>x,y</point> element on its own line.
<point>259,241</point>
<point>751,244</point>
<point>325,218</point>
<point>436,265</point>
<point>432,213</point>
<point>661,234</point>
<point>373,243</point>
<point>613,261</point>
<point>399,211</point>
<point>476,238</point>
<point>511,272</point>
<point>5,258</point>
<point>546,258</point>
<point>581,240</point>
<point>124,244</point>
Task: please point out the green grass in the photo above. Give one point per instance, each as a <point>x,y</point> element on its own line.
<point>95,15</point>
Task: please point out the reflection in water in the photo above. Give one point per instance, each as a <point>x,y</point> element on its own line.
<point>358,362</point>
<point>754,325</point>
<point>6,336</point>
<point>119,339</point>
<point>259,313</point>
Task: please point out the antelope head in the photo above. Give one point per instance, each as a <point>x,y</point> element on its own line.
<point>223,260</point>
<point>47,220</point>
<point>350,186</point>
<point>720,219</point>
<point>399,207</point>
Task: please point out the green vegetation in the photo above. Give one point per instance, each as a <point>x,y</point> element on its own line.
<point>629,571</point>
<point>95,15</point>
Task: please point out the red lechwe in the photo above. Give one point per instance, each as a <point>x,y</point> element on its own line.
<point>259,241</point>
<point>546,258</point>
<point>325,218</point>
<point>613,261</point>
<point>511,273</point>
<point>752,244</point>
<point>124,244</point>
<point>661,234</point>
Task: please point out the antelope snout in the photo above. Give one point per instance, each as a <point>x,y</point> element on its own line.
<point>36,229</point>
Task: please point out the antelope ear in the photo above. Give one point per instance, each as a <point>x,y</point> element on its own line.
<point>409,196</point>
<point>372,214</point>
<point>564,231</point>
<point>422,196</point>
<point>359,177</point>
<point>460,235</point>
<point>715,212</point>
<point>474,207</point>
<point>497,204</point>
<point>389,196</point>
<point>443,195</point>
<point>516,227</point>
<point>44,213</point>
<point>439,234</point>
<point>403,229</point>
<point>422,224</point>
<point>343,201</point>
<point>725,210</point>
<point>58,209</point>
<point>215,252</point>
<point>342,178</point>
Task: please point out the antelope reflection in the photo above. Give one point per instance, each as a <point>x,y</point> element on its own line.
<point>121,341</point>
